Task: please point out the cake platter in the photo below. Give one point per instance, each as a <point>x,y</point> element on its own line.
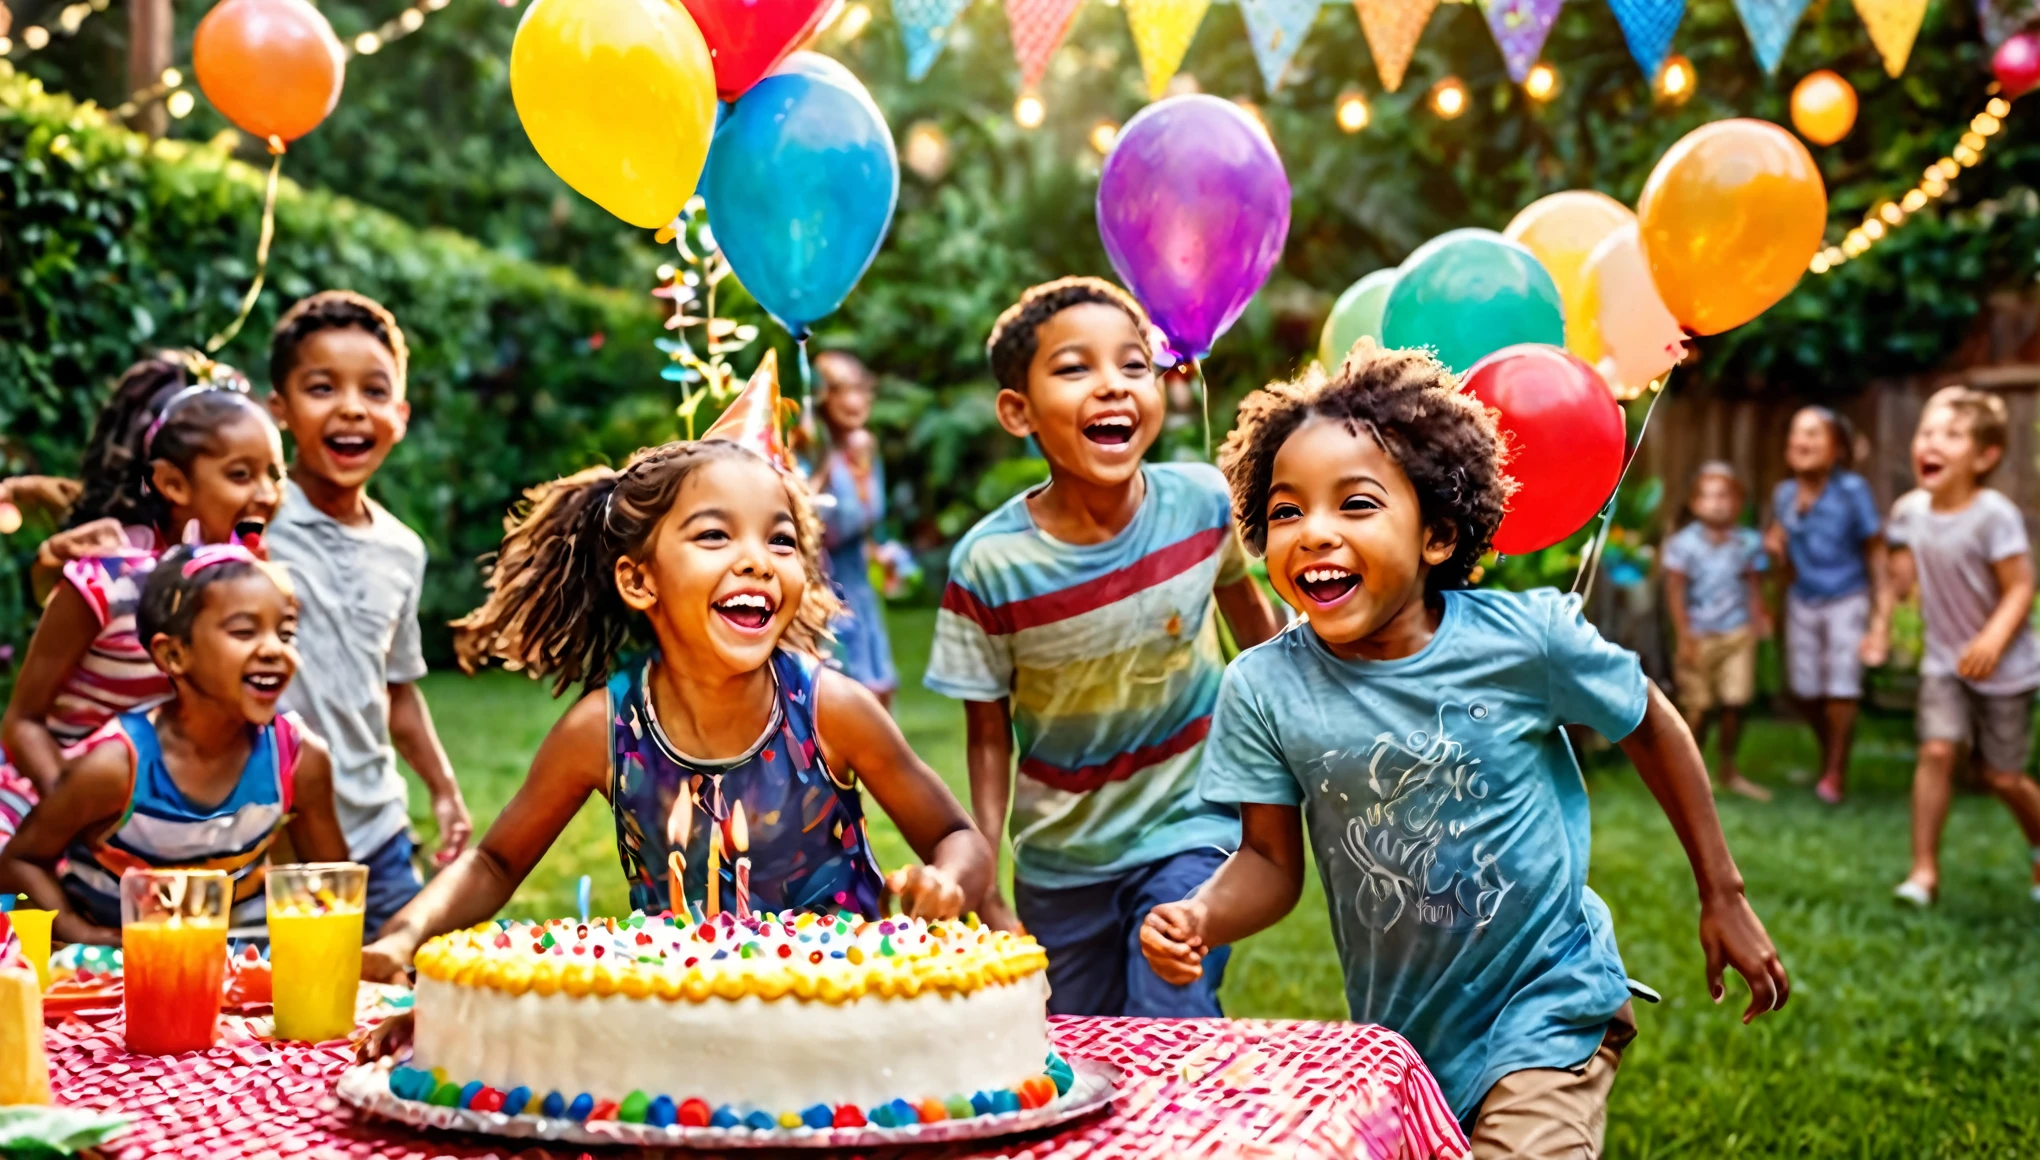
<point>367,1087</point>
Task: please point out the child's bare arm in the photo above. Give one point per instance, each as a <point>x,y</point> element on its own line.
<point>1247,612</point>
<point>417,741</point>
<point>1669,762</point>
<point>988,748</point>
<point>571,763</point>
<point>856,733</point>
<point>1251,892</point>
<point>1760,613</point>
<point>1877,641</point>
<point>1675,604</point>
<point>92,793</point>
<point>314,828</point>
<point>2014,608</point>
<point>62,637</point>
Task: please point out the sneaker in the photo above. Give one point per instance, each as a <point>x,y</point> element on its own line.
<point>1922,895</point>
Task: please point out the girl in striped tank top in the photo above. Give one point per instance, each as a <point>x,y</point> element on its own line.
<point>728,739</point>
<point>179,451</point>
<point>204,780</point>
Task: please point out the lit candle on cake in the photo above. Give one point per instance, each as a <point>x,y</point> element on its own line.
<point>676,885</point>
<point>740,844</point>
<point>743,889</point>
<point>679,828</point>
<point>714,871</point>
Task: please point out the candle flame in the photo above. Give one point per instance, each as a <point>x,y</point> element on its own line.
<point>740,834</point>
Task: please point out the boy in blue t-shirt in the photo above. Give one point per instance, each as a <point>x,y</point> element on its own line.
<point>1712,576</point>
<point>1418,727</point>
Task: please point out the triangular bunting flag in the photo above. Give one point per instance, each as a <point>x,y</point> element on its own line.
<point>1393,28</point>
<point>924,26</point>
<point>1648,26</point>
<point>1519,28</point>
<point>1893,24</point>
<point>1277,28</point>
<point>1770,24</point>
<point>1162,31</point>
<point>1038,30</point>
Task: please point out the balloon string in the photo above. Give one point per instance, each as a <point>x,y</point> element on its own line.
<point>1590,564</point>
<point>213,344</point>
<point>807,374</point>
<point>1204,400</point>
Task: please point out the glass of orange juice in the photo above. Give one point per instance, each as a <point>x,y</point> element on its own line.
<point>315,915</point>
<point>173,935</point>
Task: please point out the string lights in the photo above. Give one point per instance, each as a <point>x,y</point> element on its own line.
<point>36,37</point>
<point>1887,216</point>
<point>1352,112</point>
<point>1448,98</point>
<point>1541,83</point>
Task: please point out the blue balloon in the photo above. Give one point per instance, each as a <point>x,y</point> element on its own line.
<point>801,183</point>
<point>1469,293</point>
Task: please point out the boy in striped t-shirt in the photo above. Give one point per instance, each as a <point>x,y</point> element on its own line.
<point>1077,629</point>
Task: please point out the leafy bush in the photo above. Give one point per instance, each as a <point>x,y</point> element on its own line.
<point>111,245</point>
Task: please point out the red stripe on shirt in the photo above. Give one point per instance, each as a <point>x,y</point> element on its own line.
<point>1162,564</point>
<point>1121,766</point>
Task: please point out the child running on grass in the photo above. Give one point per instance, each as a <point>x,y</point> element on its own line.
<point>180,450</point>
<point>729,738</point>
<point>1712,586</point>
<point>1077,628</point>
<point>204,780</point>
<point>1419,726</point>
<point>337,365</point>
<point>1965,545</point>
<point>1825,525</point>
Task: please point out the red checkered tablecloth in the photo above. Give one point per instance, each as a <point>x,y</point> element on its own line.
<point>1194,1088</point>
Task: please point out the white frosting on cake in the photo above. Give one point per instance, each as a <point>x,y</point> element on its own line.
<point>783,1054</point>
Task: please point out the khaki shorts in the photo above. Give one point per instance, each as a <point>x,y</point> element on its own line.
<point>1724,673</point>
<point>1999,726</point>
<point>1551,1113</point>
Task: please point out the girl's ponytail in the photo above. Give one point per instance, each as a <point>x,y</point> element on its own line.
<point>114,459</point>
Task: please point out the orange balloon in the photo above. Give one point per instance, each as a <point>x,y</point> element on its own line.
<point>1823,107</point>
<point>1730,218</point>
<point>272,67</point>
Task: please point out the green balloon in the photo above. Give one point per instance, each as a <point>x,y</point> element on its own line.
<point>1356,315</point>
<point>1469,293</point>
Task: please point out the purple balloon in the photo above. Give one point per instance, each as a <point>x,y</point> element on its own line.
<point>1193,207</point>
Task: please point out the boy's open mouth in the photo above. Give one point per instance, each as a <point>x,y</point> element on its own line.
<point>1931,469</point>
<point>749,611</point>
<point>1110,430</point>
<point>266,684</point>
<point>1326,583</point>
<point>350,446</point>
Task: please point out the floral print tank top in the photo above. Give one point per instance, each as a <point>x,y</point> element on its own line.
<point>778,805</point>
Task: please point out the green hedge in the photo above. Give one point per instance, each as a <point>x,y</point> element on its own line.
<point>111,245</point>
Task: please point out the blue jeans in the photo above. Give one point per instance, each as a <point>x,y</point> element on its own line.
<point>1092,936</point>
<point>392,881</point>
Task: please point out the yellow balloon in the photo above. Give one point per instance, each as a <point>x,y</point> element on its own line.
<point>1823,107</point>
<point>1730,218</point>
<point>1638,338</point>
<point>1562,230</point>
<point>618,97</point>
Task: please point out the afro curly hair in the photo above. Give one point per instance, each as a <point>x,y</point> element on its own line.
<point>1015,336</point>
<point>1443,438</point>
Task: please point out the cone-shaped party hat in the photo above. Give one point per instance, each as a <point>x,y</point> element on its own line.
<point>753,419</point>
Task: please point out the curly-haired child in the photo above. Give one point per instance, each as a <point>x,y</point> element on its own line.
<point>1417,724</point>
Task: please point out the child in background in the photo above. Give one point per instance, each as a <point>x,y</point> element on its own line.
<point>336,370</point>
<point>852,475</point>
<point>1419,725</point>
<point>179,451</point>
<point>204,780</point>
<point>1966,546</point>
<point>1077,627</point>
<point>1825,523</point>
<point>730,735</point>
<point>1712,569</point>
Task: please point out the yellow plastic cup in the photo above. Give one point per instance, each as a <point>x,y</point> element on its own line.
<point>33,928</point>
<point>315,919</point>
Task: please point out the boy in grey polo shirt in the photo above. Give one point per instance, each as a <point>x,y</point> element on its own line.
<point>337,364</point>
<point>1966,546</point>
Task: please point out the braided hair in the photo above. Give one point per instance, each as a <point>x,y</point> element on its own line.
<point>553,607</point>
<point>160,409</point>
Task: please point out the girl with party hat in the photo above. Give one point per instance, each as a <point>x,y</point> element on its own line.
<point>730,754</point>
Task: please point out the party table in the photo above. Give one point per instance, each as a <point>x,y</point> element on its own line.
<point>1193,1088</point>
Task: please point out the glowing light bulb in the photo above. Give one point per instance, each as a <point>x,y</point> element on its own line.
<point>1873,229</point>
<point>1448,98</point>
<point>1676,80</point>
<point>35,37</point>
<point>1353,113</point>
<point>180,103</point>
<point>1914,199</point>
<point>1104,135</point>
<point>927,151</point>
<point>1965,156</point>
<point>1542,82</point>
<point>854,20</point>
<point>1820,264</point>
<point>411,20</point>
<point>1998,107</point>
<point>1890,212</point>
<point>172,79</point>
<point>368,44</point>
<point>1029,111</point>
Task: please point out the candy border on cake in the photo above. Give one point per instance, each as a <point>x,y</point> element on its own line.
<point>433,1088</point>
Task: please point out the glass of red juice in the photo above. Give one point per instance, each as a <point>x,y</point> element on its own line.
<point>173,934</point>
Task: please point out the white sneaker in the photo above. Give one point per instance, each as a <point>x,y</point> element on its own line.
<point>1922,895</point>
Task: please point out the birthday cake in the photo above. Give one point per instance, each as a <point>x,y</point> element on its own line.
<point>764,1022</point>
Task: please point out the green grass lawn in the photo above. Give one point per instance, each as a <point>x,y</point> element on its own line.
<point>1910,1034</point>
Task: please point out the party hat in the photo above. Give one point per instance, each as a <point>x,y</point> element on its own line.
<point>1162,31</point>
<point>752,420</point>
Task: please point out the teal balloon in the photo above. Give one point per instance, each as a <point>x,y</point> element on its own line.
<point>1469,293</point>
<point>1356,315</point>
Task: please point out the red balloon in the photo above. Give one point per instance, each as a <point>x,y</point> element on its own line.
<point>748,38</point>
<point>2017,64</point>
<point>1566,439</point>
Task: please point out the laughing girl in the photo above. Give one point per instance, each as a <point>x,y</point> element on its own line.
<point>729,739</point>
